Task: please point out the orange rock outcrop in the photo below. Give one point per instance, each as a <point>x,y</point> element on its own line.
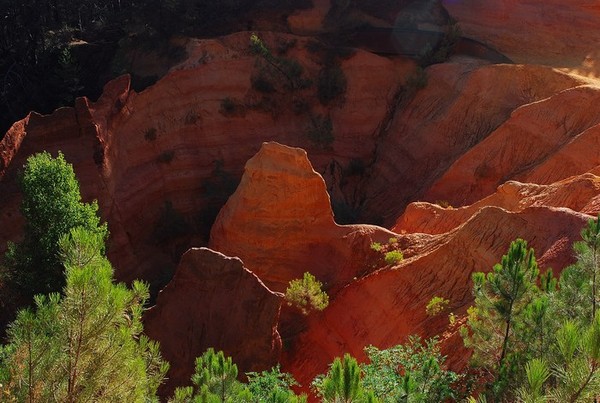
<point>532,135</point>
<point>279,222</point>
<point>462,105</point>
<point>214,301</point>
<point>579,193</point>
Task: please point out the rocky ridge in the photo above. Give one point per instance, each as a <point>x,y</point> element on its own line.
<point>514,147</point>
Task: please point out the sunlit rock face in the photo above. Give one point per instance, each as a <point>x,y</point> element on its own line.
<point>463,111</point>
<point>384,308</point>
<point>279,222</point>
<point>550,32</point>
<point>578,193</point>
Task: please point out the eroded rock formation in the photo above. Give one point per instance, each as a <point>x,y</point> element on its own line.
<point>175,142</point>
<point>214,301</point>
<point>382,309</point>
<point>279,222</point>
<point>578,193</point>
<point>516,144</point>
<point>462,105</point>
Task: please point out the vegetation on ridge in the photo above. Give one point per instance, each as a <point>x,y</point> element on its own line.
<point>306,294</point>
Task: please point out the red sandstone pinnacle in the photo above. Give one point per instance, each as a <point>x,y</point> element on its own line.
<point>214,301</point>
<point>279,222</point>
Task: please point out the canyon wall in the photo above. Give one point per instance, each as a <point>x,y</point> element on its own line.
<point>455,161</point>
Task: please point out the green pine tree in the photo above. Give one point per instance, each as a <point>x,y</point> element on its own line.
<point>215,380</point>
<point>343,383</point>
<point>495,324</point>
<point>88,344</point>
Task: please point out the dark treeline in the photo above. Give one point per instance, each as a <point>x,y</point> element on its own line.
<point>52,51</point>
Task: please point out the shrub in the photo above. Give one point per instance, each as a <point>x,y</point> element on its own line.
<point>150,134</point>
<point>376,246</point>
<point>306,294</point>
<point>289,69</point>
<point>436,306</point>
<point>191,117</point>
<point>393,240</point>
<point>227,106</point>
<point>320,130</point>
<point>393,257</point>
<point>166,157</point>
<point>262,84</point>
<point>331,84</point>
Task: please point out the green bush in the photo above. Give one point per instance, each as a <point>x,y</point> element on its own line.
<point>436,306</point>
<point>393,257</point>
<point>306,294</point>
<point>376,246</point>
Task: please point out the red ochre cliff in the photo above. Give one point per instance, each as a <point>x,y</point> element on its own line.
<point>279,222</point>
<point>513,147</point>
<point>133,152</point>
<point>533,31</point>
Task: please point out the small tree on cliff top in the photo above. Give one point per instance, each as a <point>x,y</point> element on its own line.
<point>306,294</point>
